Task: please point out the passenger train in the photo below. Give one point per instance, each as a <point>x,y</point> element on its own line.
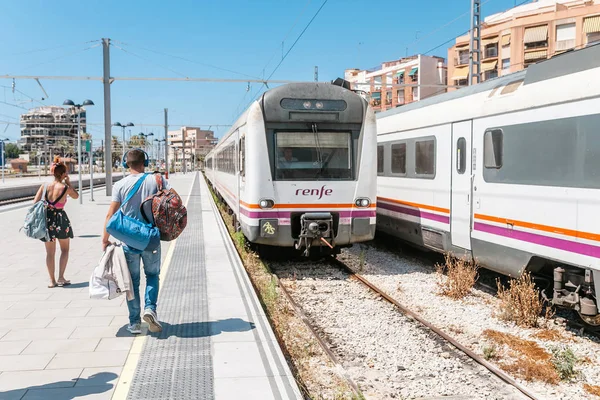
<point>298,168</point>
<point>506,172</point>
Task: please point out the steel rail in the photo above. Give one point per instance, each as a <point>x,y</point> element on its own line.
<point>492,368</point>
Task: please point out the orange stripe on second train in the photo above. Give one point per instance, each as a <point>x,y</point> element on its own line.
<point>256,206</point>
<point>416,205</point>
<point>539,227</point>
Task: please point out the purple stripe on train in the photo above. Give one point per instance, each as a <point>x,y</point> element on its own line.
<point>287,214</point>
<point>556,243</point>
<point>415,212</point>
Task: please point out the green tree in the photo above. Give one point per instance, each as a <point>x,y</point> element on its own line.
<point>12,150</point>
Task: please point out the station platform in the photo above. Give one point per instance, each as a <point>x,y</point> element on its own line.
<point>216,341</point>
<point>27,186</point>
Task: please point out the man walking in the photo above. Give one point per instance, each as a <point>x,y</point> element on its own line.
<point>136,162</point>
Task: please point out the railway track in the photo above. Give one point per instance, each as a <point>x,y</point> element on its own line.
<point>442,349</point>
<point>493,369</point>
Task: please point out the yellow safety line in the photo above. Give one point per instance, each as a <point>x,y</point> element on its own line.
<point>128,372</point>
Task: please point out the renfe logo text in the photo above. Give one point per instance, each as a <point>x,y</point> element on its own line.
<point>314,192</point>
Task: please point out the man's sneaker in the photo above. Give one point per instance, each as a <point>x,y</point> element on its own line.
<point>135,329</point>
<point>152,319</point>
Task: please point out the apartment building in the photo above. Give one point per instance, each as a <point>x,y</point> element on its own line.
<point>48,128</point>
<point>196,142</point>
<point>400,82</point>
<point>524,35</point>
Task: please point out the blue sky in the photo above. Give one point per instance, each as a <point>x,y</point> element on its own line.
<point>62,38</point>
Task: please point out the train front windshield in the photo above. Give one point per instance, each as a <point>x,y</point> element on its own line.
<point>313,156</point>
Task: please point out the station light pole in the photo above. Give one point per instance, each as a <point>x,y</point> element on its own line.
<point>3,146</point>
<point>145,137</point>
<point>78,108</point>
<point>123,126</point>
<point>158,142</point>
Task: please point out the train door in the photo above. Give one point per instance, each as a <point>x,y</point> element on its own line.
<point>242,167</point>
<point>460,210</point>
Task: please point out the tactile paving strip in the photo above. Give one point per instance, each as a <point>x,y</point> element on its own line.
<point>177,363</point>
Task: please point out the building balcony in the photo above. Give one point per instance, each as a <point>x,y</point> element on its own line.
<point>461,60</point>
<point>490,52</point>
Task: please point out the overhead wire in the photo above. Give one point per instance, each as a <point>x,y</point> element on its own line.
<point>52,48</point>
<point>59,57</point>
<point>444,26</point>
<point>288,52</point>
<point>237,109</point>
<point>188,60</point>
<point>464,33</point>
<point>288,33</point>
<point>150,61</point>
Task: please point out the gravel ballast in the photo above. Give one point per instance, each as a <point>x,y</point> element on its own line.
<point>413,282</point>
<point>386,353</point>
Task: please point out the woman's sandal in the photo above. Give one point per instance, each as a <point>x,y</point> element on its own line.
<point>52,285</point>
<point>63,283</point>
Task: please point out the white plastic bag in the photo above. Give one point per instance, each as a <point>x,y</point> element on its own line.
<point>102,283</point>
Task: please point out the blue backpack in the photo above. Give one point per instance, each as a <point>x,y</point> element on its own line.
<point>136,234</point>
<point>35,225</point>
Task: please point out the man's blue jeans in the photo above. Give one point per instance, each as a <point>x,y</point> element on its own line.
<point>151,261</point>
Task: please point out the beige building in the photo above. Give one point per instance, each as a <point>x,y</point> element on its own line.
<point>524,35</point>
<point>193,142</point>
<point>50,130</point>
<point>400,82</point>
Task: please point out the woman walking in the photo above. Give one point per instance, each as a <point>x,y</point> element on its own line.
<point>59,226</point>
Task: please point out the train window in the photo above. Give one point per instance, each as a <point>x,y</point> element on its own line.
<point>492,148</point>
<point>461,155</point>
<point>425,158</point>
<point>399,158</point>
<point>313,156</point>
<point>380,159</point>
<point>563,152</point>
<point>243,156</point>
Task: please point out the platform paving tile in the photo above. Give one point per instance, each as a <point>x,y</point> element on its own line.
<point>106,311</point>
<point>13,348</point>
<point>99,376</point>
<point>54,346</point>
<point>256,388</point>
<point>38,333</point>
<point>87,360</point>
<point>115,344</point>
<point>237,359</point>
<point>24,362</point>
<point>98,332</point>
<point>76,322</point>
<point>40,305</point>
<point>18,313</point>
<point>25,323</point>
<point>60,378</point>
<point>59,312</point>
<point>102,392</point>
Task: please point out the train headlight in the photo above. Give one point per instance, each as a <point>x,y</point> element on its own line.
<point>362,202</point>
<point>266,203</point>
<point>319,105</point>
<point>307,104</point>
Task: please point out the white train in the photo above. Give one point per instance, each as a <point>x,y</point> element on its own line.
<point>298,168</point>
<point>506,172</point>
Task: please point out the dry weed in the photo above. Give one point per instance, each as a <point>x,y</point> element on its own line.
<point>461,276</point>
<point>591,389</point>
<point>530,361</point>
<point>520,302</point>
<point>551,334</point>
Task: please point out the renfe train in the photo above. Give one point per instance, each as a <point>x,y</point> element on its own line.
<point>298,168</point>
<point>506,172</point>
